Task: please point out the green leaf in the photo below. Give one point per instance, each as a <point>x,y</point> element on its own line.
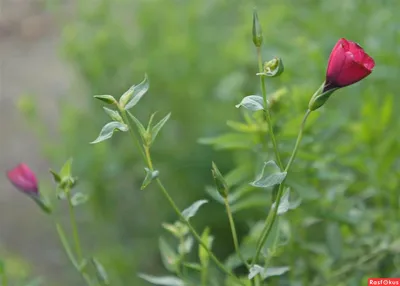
<point>106,98</point>
<point>151,121</point>
<point>194,266</point>
<point>100,272</point>
<point>284,204</point>
<point>114,114</point>
<point>66,169</point>
<point>269,176</point>
<point>56,176</point>
<point>178,229</point>
<point>192,210</point>
<point>150,176</point>
<point>156,129</point>
<point>204,257</point>
<point>108,130</point>
<point>186,246</point>
<point>163,280</point>
<point>169,257</point>
<point>142,131</point>
<point>132,96</point>
<point>252,103</point>
<point>78,199</point>
<point>267,272</point>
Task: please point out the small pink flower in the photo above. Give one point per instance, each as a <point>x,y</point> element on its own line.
<point>23,178</point>
<point>348,64</point>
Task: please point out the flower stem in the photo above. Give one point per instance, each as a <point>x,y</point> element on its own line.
<point>234,234</point>
<point>269,222</point>
<point>74,226</point>
<point>147,158</point>
<point>267,114</point>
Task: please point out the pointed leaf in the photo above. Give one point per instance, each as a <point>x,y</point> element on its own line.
<point>108,130</point>
<point>269,176</point>
<point>101,272</point>
<point>255,270</point>
<point>266,272</point>
<point>150,176</point>
<point>114,114</point>
<point>56,176</point>
<point>158,126</point>
<point>186,246</point>
<point>194,266</point>
<point>252,103</point>
<point>139,125</point>
<point>168,255</point>
<point>275,271</point>
<point>285,204</point>
<point>163,280</point>
<point>192,210</point>
<point>78,199</point>
<point>151,121</point>
<point>204,256</point>
<point>106,98</point>
<point>66,169</point>
<point>131,97</point>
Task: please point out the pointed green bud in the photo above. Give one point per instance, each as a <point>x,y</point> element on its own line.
<point>257,33</point>
<point>220,183</point>
<point>109,99</point>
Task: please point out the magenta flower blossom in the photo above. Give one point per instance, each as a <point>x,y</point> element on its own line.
<point>348,64</point>
<point>23,178</point>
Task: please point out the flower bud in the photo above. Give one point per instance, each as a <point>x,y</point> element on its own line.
<point>274,67</point>
<point>257,33</point>
<point>24,179</point>
<point>220,183</point>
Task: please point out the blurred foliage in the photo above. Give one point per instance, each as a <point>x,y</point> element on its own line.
<point>16,271</point>
<point>201,62</point>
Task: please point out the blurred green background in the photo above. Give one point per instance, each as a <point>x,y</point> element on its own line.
<point>201,62</point>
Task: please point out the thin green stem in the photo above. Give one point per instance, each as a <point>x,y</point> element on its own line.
<point>148,161</point>
<point>193,231</point>
<point>132,132</point>
<point>67,249</point>
<point>267,114</point>
<point>74,227</point>
<point>234,234</point>
<point>269,222</point>
<point>257,280</point>
<point>297,145</point>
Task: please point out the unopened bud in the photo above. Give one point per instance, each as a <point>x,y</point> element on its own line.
<point>257,33</point>
<point>220,183</point>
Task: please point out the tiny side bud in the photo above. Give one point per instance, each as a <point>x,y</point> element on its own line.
<point>257,33</point>
<point>220,183</point>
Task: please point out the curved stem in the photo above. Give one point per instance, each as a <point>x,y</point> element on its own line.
<point>234,234</point>
<point>267,114</point>
<point>148,161</point>
<point>269,222</point>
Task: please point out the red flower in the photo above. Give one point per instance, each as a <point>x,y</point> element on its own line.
<point>348,64</point>
<point>24,179</point>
